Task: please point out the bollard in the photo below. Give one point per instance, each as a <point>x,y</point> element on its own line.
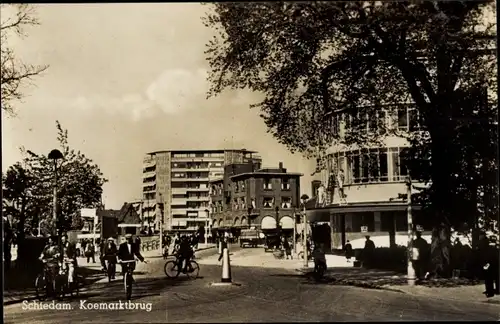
<point>226,267</point>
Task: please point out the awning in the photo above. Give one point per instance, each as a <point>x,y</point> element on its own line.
<point>268,222</point>
<point>129,225</point>
<point>286,222</point>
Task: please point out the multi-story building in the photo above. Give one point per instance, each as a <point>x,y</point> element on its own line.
<point>374,181</point>
<point>247,196</point>
<point>180,180</point>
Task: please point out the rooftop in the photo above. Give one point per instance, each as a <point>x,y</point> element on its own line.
<point>203,151</point>
<point>265,173</point>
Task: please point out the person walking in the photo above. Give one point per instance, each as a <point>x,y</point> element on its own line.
<point>90,252</point>
<point>288,248</point>
<point>419,257</point>
<point>349,253</point>
<point>368,251</point>
<point>488,254</point>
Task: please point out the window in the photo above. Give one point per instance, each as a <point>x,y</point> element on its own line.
<point>383,165</point>
<point>242,185</point>
<point>253,203</point>
<point>267,184</point>
<point>235,204</point>
<point>383,121</point>
<point>356,167</point>
<point>402,118</point>
<point>268,202</point>
<point>399,170</point>
<point>236,187</point>
<point>413,123</point>
<point>242,203</point>
<point>286,202</point>
<point>365,166</point>
<point>285,185</point>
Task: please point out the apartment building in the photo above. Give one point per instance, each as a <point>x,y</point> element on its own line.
<point>248,196</point>
<point>374,180</point>
<point>180,180</point>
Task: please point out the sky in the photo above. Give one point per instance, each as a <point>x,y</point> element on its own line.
<point>126,79</point>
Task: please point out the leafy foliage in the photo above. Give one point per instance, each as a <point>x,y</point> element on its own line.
<point>14,73</point>
<point>314,61</point>
<point>79,183</point>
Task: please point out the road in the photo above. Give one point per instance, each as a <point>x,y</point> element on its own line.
<point>265,295</point>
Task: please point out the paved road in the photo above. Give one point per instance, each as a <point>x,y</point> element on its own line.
<point>265,295</point>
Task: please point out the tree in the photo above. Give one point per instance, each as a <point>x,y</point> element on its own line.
<point>14,73</point>
<point>28,189</point>
<point>314,60</point>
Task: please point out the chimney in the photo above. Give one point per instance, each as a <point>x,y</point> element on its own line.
<point>281,166</point>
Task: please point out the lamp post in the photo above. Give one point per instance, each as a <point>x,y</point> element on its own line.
<point>249,209</point>
<point>410,269</point>
<point>277,209</point>
<point>56,155</point>
<point>304,199</point>
<point>206,227</point>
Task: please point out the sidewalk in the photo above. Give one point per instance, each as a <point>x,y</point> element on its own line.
<point>91,273</point>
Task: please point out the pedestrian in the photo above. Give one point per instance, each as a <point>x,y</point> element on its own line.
<point>489,261</point>
<point>90,252</point>
<point>349,253</point>
<point>368,251</point>
<point>288,249</point>
<point>224,245</point>
<point>78,248</point>
<point>419,255</point>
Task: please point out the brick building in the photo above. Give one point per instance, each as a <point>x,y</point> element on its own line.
<point>248,196</point>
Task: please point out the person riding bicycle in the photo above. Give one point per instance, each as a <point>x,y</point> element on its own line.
<point>69,257</point>
<point>48,257</point>
<point>127,251</point>
<point>109,254</point>
<point>185,254</point>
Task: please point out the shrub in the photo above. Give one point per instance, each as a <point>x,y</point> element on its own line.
<point>386,258</point>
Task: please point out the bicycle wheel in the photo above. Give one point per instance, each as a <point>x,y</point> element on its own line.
<point>41,287</point>
<point>128,285</point>
<point>194,271</point>
<point>171,269</point>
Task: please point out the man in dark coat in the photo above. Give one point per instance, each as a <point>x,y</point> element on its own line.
<point>368,251</point>
<point>127,251</point>
<point>490,263</point>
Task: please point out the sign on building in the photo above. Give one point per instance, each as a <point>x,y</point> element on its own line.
<point>364,229</point>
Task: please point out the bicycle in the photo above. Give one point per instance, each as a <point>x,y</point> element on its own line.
<point>128,278</point>
<point>44,282</point>
<point>111,270</point>
<point>62,284</point>
<point>172,269</point>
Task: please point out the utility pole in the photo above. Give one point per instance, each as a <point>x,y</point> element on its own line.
<point>410,269</point>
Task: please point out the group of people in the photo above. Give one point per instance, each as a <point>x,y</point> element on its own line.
<point>109,254</point>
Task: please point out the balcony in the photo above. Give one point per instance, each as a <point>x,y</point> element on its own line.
<point>149,183</point>
<point>178,201</point>
<point>197,189</point>
<point>179,190</point>
<point>207,198</point>
<point>198,159</point>
<point>148,163</point>
<point>149,174</point>
<point>197,209</point>
<point>179,211</point>
<point>148,189</point>
<point>202,179</point>
<point>205,169</point>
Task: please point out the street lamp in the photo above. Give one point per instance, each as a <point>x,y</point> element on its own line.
<point>206,228</point>
<point>304,199</point>
<point>56,155</point>
<point>277,209</point>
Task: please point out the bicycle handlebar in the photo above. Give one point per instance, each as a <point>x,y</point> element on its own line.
<point>127,261</point>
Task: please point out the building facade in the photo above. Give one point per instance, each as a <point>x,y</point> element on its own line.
<point>374,180</point>
<point>248,196</point>
<point>180,180</point>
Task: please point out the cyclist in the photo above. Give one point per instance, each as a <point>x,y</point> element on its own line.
<point>69,257</point>
<point>109,255</point>
<point>127,251</point>
<point>48,255</point>
<point>185,254</point>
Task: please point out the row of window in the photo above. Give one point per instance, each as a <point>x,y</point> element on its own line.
<point>196,165</point>
<point>240,186</point>
<point>240,204</point>
<point>195,175</point>
<point>189,185</point>
<point>404,118</point>
<point>369,165</point>
<point>198,155</point>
